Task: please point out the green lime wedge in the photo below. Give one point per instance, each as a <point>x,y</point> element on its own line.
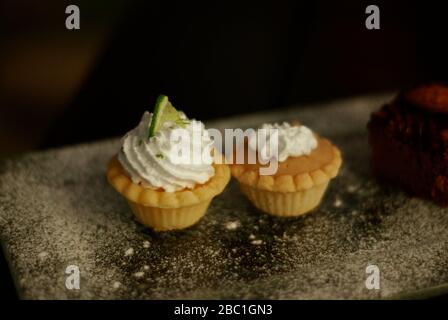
<point>163,112</point>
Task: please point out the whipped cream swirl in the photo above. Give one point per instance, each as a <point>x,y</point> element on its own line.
<point>155,163</point>
<point>284,141</point>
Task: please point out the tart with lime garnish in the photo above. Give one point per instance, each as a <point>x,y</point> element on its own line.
<point>163,192</point>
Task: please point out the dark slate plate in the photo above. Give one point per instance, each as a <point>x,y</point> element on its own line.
<point>56,209</point>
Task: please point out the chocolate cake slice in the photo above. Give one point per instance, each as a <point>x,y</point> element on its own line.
<point>409,140</point>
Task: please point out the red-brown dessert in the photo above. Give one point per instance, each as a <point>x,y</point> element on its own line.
<point>409,140</point>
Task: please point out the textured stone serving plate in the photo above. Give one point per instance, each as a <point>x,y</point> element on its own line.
<point>56,209</point>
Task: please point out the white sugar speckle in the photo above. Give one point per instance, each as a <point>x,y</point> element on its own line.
<point>351,188</point>
<point>146,244</point>
<point>145,267</point>
<point>232,225</point>
<point>129,252</point>
<point>337,203</point>
<point>116,285</point>
<point>43,255</point>
<point>257,242</point>
<point>139,274</point>
<point>251,237</point>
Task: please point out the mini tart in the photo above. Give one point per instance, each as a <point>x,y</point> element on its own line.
<point>162,210</point>
<point>298,185</point>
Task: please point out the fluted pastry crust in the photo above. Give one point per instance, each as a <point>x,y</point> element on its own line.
<point>289,182</point>
<point>135,193</point>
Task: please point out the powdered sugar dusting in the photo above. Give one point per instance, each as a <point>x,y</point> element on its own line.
<point>76,218</point>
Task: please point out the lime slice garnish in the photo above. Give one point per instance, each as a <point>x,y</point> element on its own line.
<point>163,112</point>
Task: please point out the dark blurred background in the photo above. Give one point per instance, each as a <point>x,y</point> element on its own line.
<point>59,86</point>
